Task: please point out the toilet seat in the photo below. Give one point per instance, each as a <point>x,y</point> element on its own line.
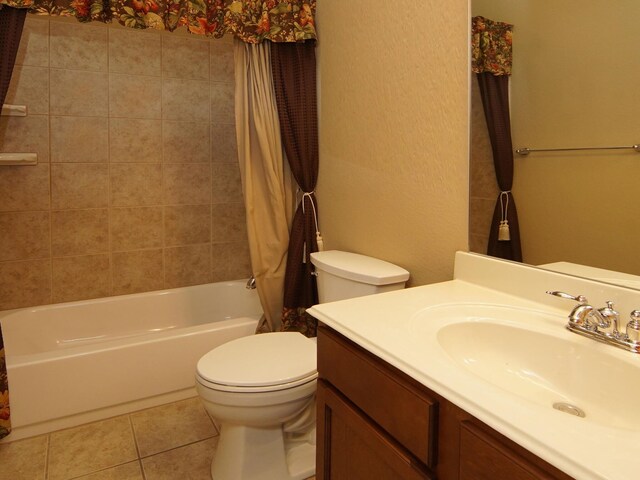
<point>259,363</point>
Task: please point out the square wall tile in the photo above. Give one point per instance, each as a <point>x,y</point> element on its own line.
<point>25,283</point>
<point>185,57</point>
<point>143,59</point>
<point>26,134</point>
<point>169,426</point>
<point>24,188</point>
<point>89,448</point>
<point>480,215</point>
<point>187,183</point>
<point>185,142</point>
<point>187,224</point>
<point>223,103</point>
<point>222,62</point>
<point>227,185</point>
<point>140,271</point>
<point>29,86</point>
<point>224,148</point>
<point>25,235</point>
<point>228,223</point>
<point>79,232</point>
<point>80,278</point>
<point>79,139</point>
<point>79,185</point>
<point>79,93</point>
<point>136,184</point>
<point>230,261</point>
<point>189,265</point>
<point>478,243</point>
<point>134,96</point>
<point>136,228</point>
<point>34,42</point>
<point>185,100</point>
<point>135,140</point>
<point>483,181</point>
<point>78,46</point>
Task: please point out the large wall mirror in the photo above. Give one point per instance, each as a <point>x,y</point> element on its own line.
<point>575,83</point>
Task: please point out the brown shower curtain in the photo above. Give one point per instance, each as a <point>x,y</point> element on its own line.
<point>11,23</point>
<point>294,77</point>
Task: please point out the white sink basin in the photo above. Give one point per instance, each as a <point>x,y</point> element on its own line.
<point>530,354</point>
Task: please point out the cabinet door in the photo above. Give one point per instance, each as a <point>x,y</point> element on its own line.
<point>482,457</point>
<point>353,448</point>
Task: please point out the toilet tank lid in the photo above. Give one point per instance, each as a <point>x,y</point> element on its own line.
<point>359,268</point>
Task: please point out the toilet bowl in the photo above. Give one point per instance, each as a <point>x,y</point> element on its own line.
<point>261,389</point>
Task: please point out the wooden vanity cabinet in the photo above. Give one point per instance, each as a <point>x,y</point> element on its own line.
<point>377,423</point>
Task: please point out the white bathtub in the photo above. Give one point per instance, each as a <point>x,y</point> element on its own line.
<point>82,361</point>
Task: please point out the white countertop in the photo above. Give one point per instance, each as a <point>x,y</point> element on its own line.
<point>388,326</point>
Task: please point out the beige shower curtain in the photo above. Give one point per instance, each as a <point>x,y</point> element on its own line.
<point>268,186</point>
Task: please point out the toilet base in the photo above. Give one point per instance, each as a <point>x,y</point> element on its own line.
<point>251,453</point>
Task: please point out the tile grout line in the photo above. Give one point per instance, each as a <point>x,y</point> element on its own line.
<point>46,457</point>
<point>50,209</point>
<point>135,437</point>
<point>180,446</point>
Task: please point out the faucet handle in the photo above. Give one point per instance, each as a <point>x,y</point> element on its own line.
<point>610,320</point>
<point>581,299</point>
<point>608,310</point>
<point>633,327</point>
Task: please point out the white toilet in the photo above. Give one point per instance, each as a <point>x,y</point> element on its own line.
<point>260,389</point>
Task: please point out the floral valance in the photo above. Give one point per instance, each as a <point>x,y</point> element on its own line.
<point>491,46</point>
<point>249,20</point>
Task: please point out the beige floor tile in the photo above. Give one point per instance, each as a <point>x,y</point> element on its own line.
<point>191,462</point>
<point>128,471</point>
<point>24,459</point>
<point>169,426</point>
<point>90,448</point>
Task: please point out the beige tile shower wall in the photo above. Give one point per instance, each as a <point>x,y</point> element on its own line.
<point>394,92</point>
<point>137,186</point>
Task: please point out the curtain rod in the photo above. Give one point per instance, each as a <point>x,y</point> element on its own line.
<point>527,151</point>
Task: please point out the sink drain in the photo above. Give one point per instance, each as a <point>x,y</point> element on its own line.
<point>570,409</point>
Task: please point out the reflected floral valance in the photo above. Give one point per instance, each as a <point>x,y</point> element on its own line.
<point>491,46</point>
<point>249,20</point>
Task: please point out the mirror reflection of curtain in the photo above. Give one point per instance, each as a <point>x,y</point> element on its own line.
<point>11,24</point>
<point>491,61</point>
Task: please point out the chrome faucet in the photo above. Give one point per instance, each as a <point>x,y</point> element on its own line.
<point>584,315</point>
<point>602,324</point>
<point>251,283</point>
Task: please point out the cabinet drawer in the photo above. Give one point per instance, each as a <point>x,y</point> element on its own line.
<point>383,393</point>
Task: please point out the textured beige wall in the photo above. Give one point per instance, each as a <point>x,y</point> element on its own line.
<point>137,186</point>
<point>394,131</point>
<point>575,83</point>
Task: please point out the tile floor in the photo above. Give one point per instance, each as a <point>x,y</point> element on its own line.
<point>176,441</point>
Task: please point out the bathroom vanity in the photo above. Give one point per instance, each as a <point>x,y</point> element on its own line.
<point>376,422</point>
<point>462,380</point>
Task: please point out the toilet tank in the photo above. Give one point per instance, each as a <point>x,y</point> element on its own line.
<point>343,275</point>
